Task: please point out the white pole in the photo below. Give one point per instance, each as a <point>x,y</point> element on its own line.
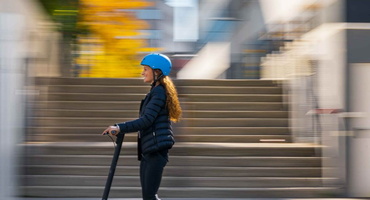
<point>11,102</point>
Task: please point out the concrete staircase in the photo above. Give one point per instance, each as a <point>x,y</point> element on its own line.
<point>233,142</point>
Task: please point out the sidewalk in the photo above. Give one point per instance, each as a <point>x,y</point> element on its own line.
<point>197,198</point>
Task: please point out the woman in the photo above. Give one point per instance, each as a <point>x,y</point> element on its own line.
<point>157,110</point>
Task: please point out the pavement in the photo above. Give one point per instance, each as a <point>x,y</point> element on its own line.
<point>196,198</point>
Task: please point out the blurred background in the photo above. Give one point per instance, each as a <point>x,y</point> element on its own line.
<point>274,93</point>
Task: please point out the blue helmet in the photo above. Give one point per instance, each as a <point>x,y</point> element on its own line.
<point>158,61</point>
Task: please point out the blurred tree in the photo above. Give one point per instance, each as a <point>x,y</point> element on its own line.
<point>65,14</point>
<point>115,40</point>
<point>106,33</point>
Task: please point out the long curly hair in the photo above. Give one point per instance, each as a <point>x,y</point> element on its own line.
<point>172,101</point>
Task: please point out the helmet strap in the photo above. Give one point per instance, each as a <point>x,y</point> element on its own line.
<point>156,79</point>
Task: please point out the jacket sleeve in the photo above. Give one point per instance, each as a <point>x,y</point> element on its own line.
<point>154,106</point>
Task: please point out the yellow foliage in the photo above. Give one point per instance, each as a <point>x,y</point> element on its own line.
<point>115,43</point>
<point>128,4</point>
<point>113,66</point>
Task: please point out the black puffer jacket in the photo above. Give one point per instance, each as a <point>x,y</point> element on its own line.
<point>153,124</point>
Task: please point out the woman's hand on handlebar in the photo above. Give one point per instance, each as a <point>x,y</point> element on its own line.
<point>111,130</point>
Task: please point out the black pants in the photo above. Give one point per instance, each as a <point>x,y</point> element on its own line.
<point>151,169</point>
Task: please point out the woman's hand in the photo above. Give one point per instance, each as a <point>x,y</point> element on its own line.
<point>111,130</point>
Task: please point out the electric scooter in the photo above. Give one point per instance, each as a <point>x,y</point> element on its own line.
<point>112,169</point>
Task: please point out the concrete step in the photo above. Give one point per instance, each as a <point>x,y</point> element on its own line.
<point>87,105</point>
<point>134,105</point>
<point>77,137</point>
<point>229,90</point>
<point>88,81</point>
<point>92,97</point>
<point>117,89</point>
<point>181,192</point>
<point>185,122</point>
<point>232,97</point>
<point>133,113</point>
<point>177,171</point>
<point>187,97</point>
<point>238,106</point>
<point>234,114</point>
<point>224,82</point>
<point>220,161</point>
<point>139,82</point>
<point>168,181</point>
<point>180,149</point>
<point>177,130</point>
<point>233,130</point>
<point>108,89</point>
